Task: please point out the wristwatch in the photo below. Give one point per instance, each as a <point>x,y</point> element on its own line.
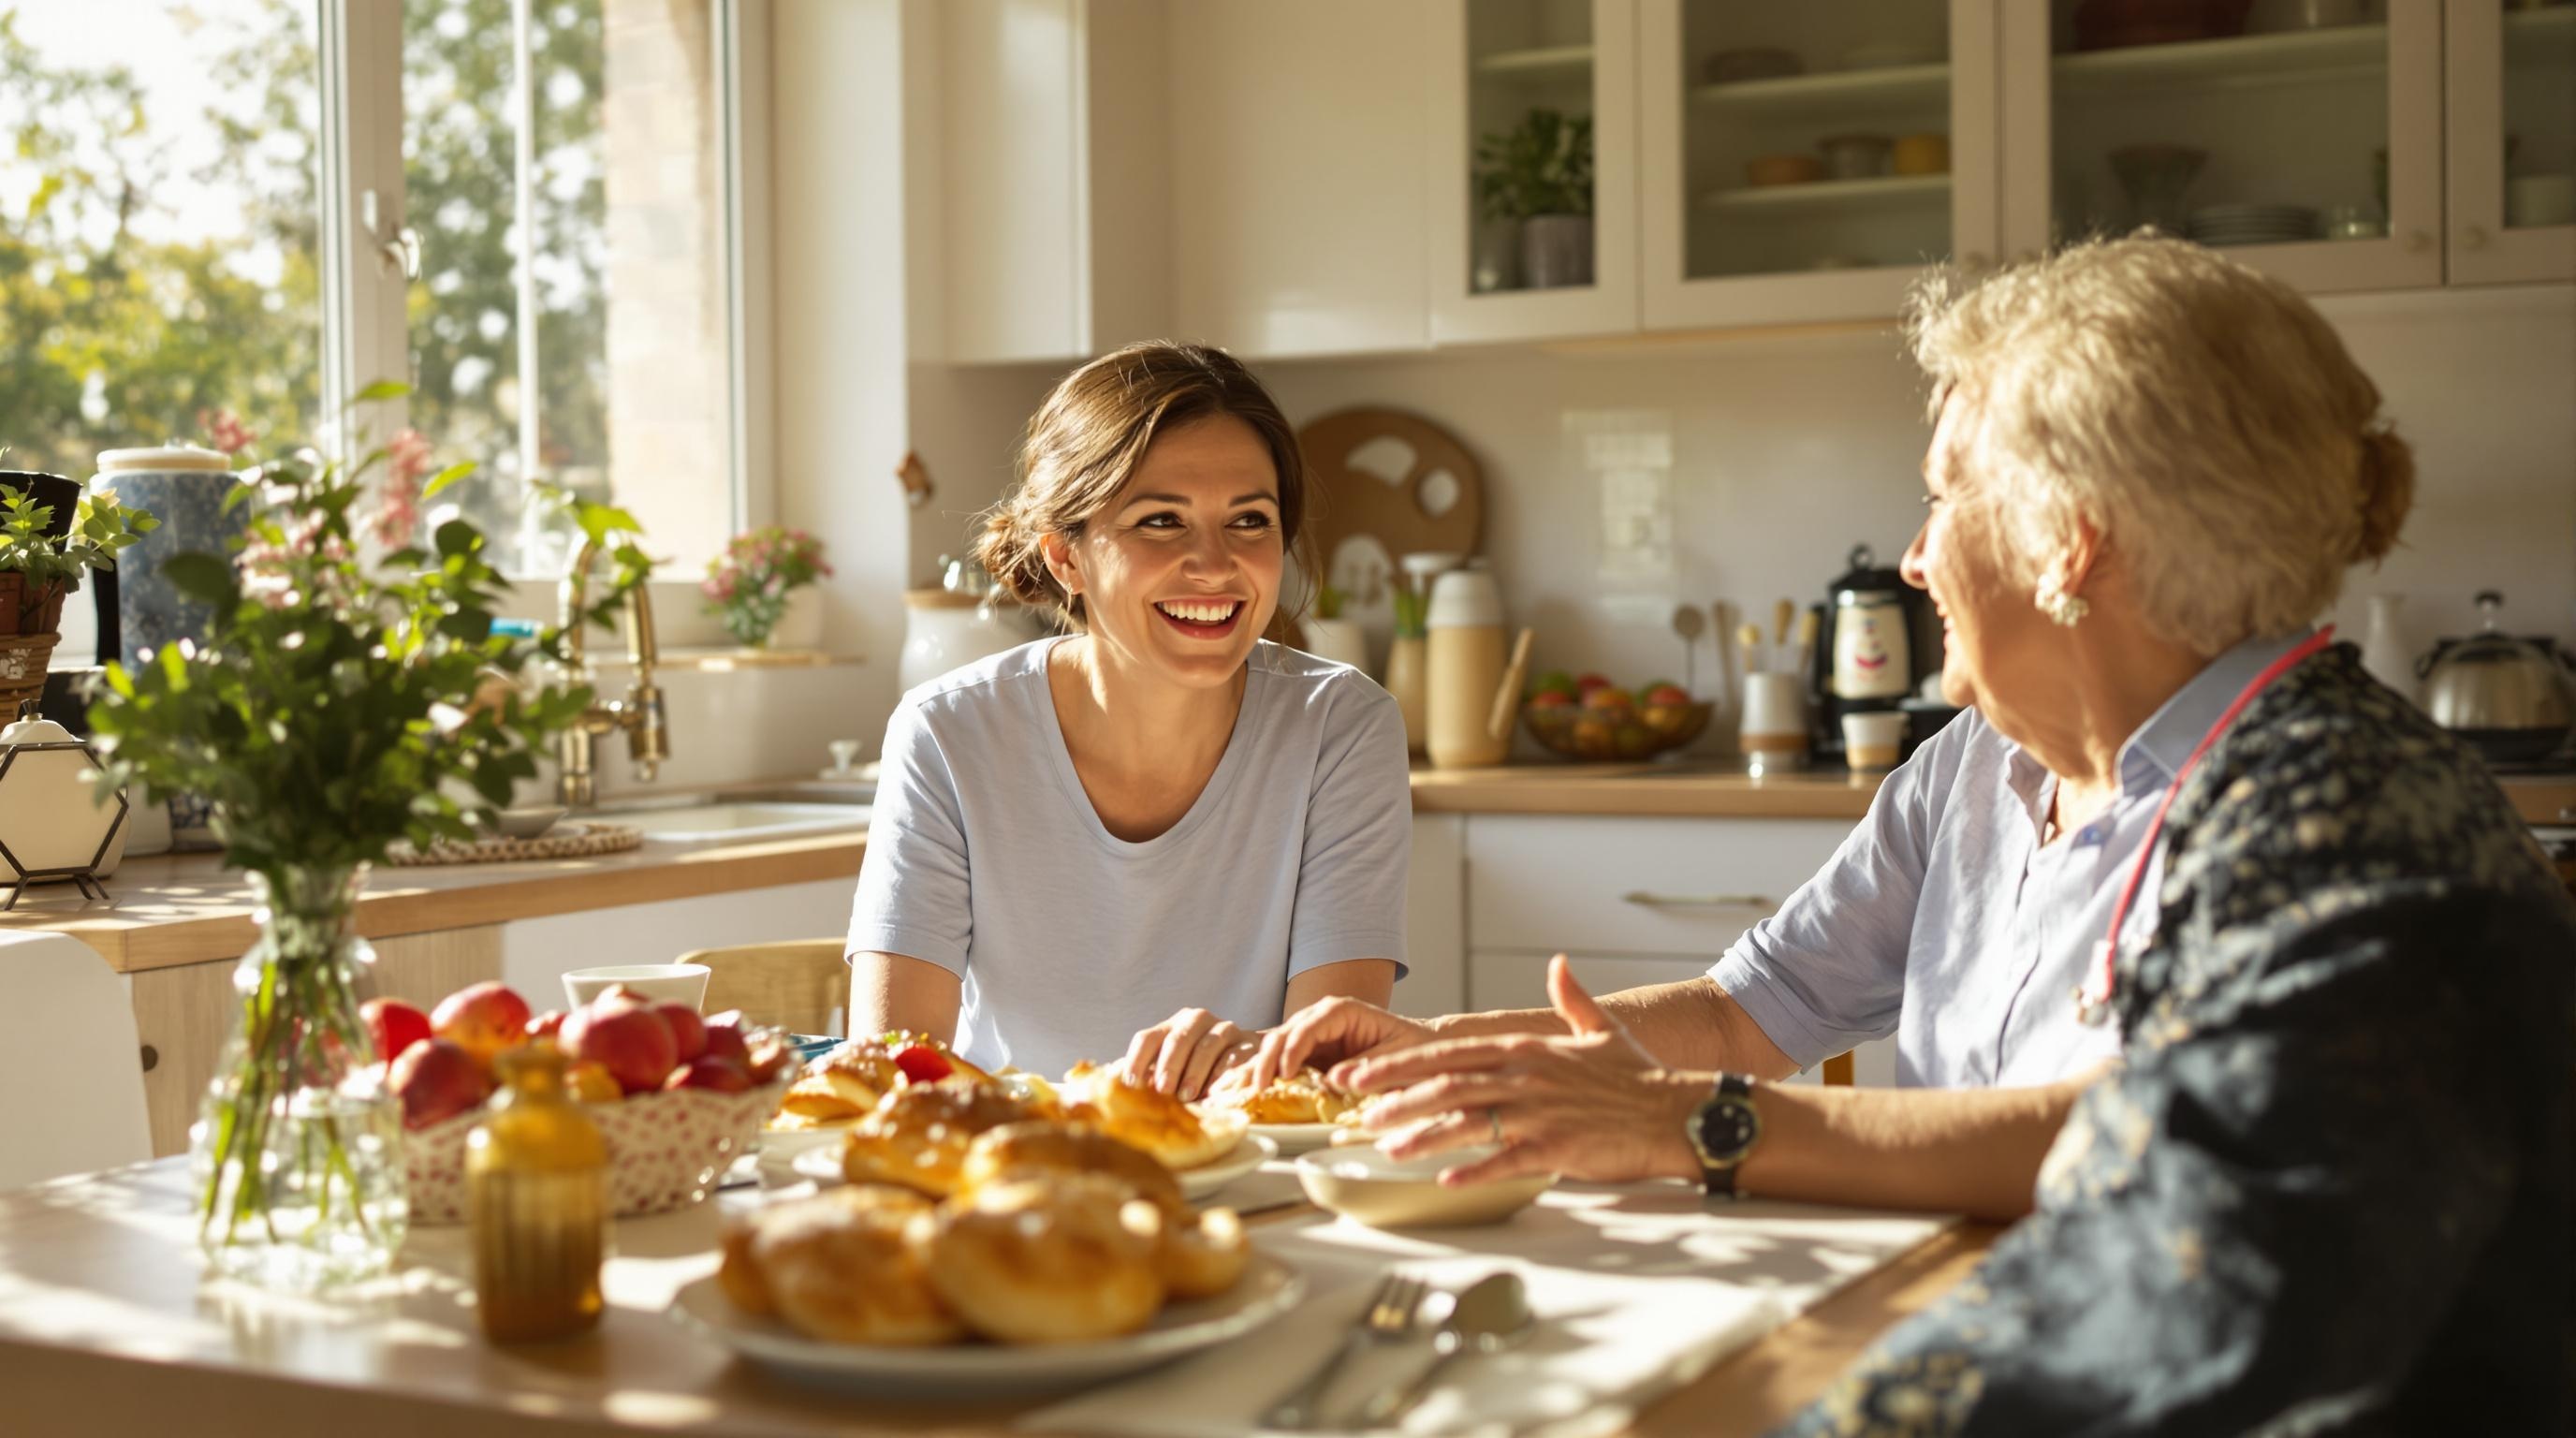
<point>1722,1132</point>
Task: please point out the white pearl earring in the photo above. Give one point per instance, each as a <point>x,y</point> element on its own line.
<point>2060,607</point>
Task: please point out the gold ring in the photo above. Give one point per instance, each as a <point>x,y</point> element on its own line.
<point>1494,1117</point>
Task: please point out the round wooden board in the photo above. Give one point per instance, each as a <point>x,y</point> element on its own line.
<point>1357,500</point>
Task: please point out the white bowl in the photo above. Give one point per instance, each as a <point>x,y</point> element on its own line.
<point>1360,1182</point>
<point>662,983</point>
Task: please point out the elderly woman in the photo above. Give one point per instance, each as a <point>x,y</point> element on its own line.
<point>2327,1187</point>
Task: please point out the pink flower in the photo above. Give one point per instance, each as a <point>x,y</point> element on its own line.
<point>225,430</point>
<point>408,455</point>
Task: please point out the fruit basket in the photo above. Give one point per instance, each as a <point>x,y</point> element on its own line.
<point>1591,719</point>
<point>665,1150</point>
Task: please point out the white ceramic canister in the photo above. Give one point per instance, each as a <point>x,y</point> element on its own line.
<point>944,629</point>
<point>1468,654</point>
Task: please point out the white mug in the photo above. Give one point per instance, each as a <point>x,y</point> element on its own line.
<point>1774,732</point>
<point>1872,740</point>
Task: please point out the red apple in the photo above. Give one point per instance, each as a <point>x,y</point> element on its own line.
<point>687,1029</point>
<point>1586,683</point>
<point>769,1053</point>
<point>627,1039</point>
<point>394,1025</point>
<point>1670,695</point>
<point>1606,697</point>
<point>709,1072</point>
<point>592,1084</point>
<point>546,1025</point>
<point>725,1041</point>
<point>483,1018</point>
<point>436,1080</point>
<point>1552,699</point>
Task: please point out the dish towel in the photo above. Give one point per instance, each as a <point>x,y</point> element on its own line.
<point>1638,1290</point>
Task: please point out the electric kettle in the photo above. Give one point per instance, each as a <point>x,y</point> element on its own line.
<point>2512,699</point>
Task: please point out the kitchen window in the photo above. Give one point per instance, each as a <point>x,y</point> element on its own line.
<point>523,209</point>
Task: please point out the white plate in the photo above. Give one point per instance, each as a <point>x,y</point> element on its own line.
<point>823,1165</point>
<point>784,1145</point>
<point>1296,1138</point>
<point>1267,1289</point>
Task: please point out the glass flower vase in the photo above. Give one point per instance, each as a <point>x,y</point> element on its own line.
<point>297,1153</point>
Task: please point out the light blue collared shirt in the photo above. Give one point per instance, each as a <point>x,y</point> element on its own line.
<point>1943,921</point>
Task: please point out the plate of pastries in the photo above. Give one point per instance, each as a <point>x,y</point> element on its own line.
<point>1039,1251</point>
<point>918,1133</point>
<point>1297,1112</point>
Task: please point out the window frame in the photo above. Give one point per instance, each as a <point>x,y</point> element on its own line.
<point>365,228</point>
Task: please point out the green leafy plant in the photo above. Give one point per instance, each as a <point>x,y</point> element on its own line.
<point>1411,608</point>
<point>101,528</point>
<point>747,585</point>
<point>338,705</point>
<point>1542,166</point>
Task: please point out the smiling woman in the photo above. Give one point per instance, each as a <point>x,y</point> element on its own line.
<point>1164,814</point>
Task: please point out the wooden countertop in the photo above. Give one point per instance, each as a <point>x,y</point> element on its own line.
<point>106,1327</point>
<point>189,909</point>
<point>1643,790</point>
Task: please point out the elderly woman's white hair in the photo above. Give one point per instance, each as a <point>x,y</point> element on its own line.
<point>2197,413</point>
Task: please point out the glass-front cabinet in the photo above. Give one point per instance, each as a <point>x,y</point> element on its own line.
<point>1805,162</point>
<point>2512,162</point>
<point>1533,169</point>
<point>2300,136</point>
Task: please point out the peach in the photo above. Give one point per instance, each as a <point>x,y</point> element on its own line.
<point>394,1026</point>
<point>709,1072</point>
<point>483,1018</point>
<point>687,1029</point>
<point>438,1079</point>
<point>628,1039</point>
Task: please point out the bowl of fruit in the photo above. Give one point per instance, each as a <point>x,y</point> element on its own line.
<point>677,1098</point>
<point>1588,717</point>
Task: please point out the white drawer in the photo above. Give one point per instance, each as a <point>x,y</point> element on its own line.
<point>1639,886</point>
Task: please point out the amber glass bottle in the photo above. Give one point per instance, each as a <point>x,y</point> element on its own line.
<point>536,1178</point>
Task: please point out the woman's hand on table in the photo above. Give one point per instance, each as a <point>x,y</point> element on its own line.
<point>1333,1035</point>
<point>1183,1055</point>
<point>1591,1105</point>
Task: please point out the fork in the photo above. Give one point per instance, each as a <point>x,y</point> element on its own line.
<point>1389,1318</point>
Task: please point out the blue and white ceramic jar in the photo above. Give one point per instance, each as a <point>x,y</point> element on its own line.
<point>184,488</point>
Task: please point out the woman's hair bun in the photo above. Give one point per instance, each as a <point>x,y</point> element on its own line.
<point>2387,490</point>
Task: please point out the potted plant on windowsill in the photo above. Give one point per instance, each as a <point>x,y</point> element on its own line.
<point>1539,175</point>
<point>749,586</point>
<point>338,703</point>
<point>41,562</point>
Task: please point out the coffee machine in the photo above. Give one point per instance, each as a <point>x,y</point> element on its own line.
<point>1877,637</point>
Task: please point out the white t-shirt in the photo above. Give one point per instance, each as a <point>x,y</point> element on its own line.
<point>986,858</point>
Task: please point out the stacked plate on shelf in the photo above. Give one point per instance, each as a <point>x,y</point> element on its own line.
<point>2223,225</point>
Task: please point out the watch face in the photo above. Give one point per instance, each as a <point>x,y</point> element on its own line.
<point>1727,1128</point>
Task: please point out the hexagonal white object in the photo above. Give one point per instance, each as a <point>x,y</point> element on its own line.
<point>48,824</point>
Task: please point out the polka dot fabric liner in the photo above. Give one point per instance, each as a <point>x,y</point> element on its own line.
<point>568,840</point>
<point>665,1150</point>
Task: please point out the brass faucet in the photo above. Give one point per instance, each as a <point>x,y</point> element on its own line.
<point>648,737</point>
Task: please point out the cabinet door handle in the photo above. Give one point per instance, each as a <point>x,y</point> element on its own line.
<point>151,1058</point>
<point>2473,238</point>
<point>1647,900</point>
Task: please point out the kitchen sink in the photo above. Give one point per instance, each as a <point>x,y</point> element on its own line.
<point>737,819</point>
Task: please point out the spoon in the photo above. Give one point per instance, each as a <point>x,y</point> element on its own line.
<point>1687,622</point>
<point>1492,1315</point>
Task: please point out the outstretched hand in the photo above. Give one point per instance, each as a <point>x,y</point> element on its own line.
<point>1590,1105</point>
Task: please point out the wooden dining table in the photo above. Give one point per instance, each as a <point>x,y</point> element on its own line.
<point>107,1326</point>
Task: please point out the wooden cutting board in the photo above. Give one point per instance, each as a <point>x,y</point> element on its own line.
<point>1394,477</point>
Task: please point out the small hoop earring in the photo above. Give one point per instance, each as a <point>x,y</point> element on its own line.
<point>2061,607</point>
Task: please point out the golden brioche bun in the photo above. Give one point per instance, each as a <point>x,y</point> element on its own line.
<point>847,1267</point>
<point>1301,1097</point>
<point>738,1275</point>
<point>1066,1260</point>
<point>1203,1253</point>
<point>1039,1149</point>
<point>1150,1119</point>
<point>918,1136</point>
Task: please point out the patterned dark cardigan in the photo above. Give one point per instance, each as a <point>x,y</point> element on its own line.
<point>2328,1190</point>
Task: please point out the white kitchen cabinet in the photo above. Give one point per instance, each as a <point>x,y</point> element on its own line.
<point>1912,87</point>
<point>1435,920</point>
<point>1054,177</point>
<point>2511,162</point>
<point>1296,176</point>
<point>1629,901</point>
<point>2102,140</point>
<point>1492,62</point>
